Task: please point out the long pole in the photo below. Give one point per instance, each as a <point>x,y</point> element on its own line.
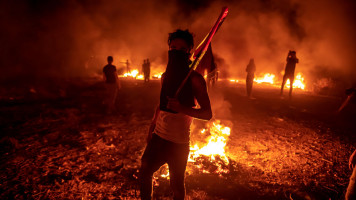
<point>203,46</point>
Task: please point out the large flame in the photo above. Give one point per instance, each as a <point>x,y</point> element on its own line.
<point>234,80</point>
<point>213,151</point>
<point>298,82</point>
<point>215,143</point>
<point>132,73</point>
<point>157,75</point>
<point>267,78</point>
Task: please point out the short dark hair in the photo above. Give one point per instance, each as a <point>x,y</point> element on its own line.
<point>184,35</point>
<point>110,58</point>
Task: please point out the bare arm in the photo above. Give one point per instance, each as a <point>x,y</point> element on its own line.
<point>153,122</point>
<point>352,160</point>
<point>201,94</point>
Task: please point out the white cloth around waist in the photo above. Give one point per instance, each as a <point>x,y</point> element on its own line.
<point>174,127</point>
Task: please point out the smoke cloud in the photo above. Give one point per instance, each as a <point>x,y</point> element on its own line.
<point>72,38</point>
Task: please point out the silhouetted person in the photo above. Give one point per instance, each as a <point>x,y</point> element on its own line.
<point>112,84</point>
<point>143,68</point>
<point>168,135</point>
<point>147,70</point>
<point>292,60</point>
<point>351,193</point>
<point>351,188</point>
<point>250,69</point>
<point>128,66</point>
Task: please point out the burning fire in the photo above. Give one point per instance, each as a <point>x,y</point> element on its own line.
<point>133,74</point>
<point>215,145</point>
<point>139,77</point>
<point>234,80</point>
<point>267,78</point>
<point>157,75</point>
<point>212,152</point>
<point>298,82</point>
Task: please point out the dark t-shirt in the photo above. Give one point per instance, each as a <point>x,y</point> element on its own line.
<point>250,69</point>
<point>109,71</point>
<point>290,67</point>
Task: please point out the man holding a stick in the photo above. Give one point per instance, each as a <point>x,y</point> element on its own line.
<point>168,136</point>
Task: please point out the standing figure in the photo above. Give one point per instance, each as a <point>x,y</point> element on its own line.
<point>112,85</point>
<point>169,132</point>
<point>143,68</point>
<point>147,70</point>
<point>292,60</point>
<point>128,66</point>
<point>250,69</point>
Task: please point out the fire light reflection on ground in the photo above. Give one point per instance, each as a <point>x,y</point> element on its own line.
<point>274,157</point>
<point>274,150</point>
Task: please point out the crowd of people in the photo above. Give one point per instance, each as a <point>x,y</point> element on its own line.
<point>168,136</point>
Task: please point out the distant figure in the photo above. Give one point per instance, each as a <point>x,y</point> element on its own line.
<point>128,66</point>
<point>143,68</point>
<point>146,70</point>
<point>250,69</point>
<point>292,60</point>
<point>112,85</point>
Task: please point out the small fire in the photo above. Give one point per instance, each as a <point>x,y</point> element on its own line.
<point>234,80</point>
<point>133,73</point>
<point>267,78</point>
<point>208,157</point>
<point>215,145</point>
<point>157,75</point>
<point>139,77</point>
<point>298,82</point>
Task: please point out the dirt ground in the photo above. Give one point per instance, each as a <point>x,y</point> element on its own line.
<point>57,143</point>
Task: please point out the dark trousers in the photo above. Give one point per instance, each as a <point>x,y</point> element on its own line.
<point>291,80</point>
<point>249,83</point>
<point>158,152</point>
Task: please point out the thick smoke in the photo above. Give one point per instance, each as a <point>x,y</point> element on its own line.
<point>71,38</point>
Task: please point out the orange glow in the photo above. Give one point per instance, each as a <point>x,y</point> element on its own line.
<point>267,78</point>
<point>234,80</point>
<point>298,82</point>
<point>140,77</point>
<point>133,74</point>
<point>213,148</point>
<point>157,75</point>
<point>270,79</point>
<point>215,143</point>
